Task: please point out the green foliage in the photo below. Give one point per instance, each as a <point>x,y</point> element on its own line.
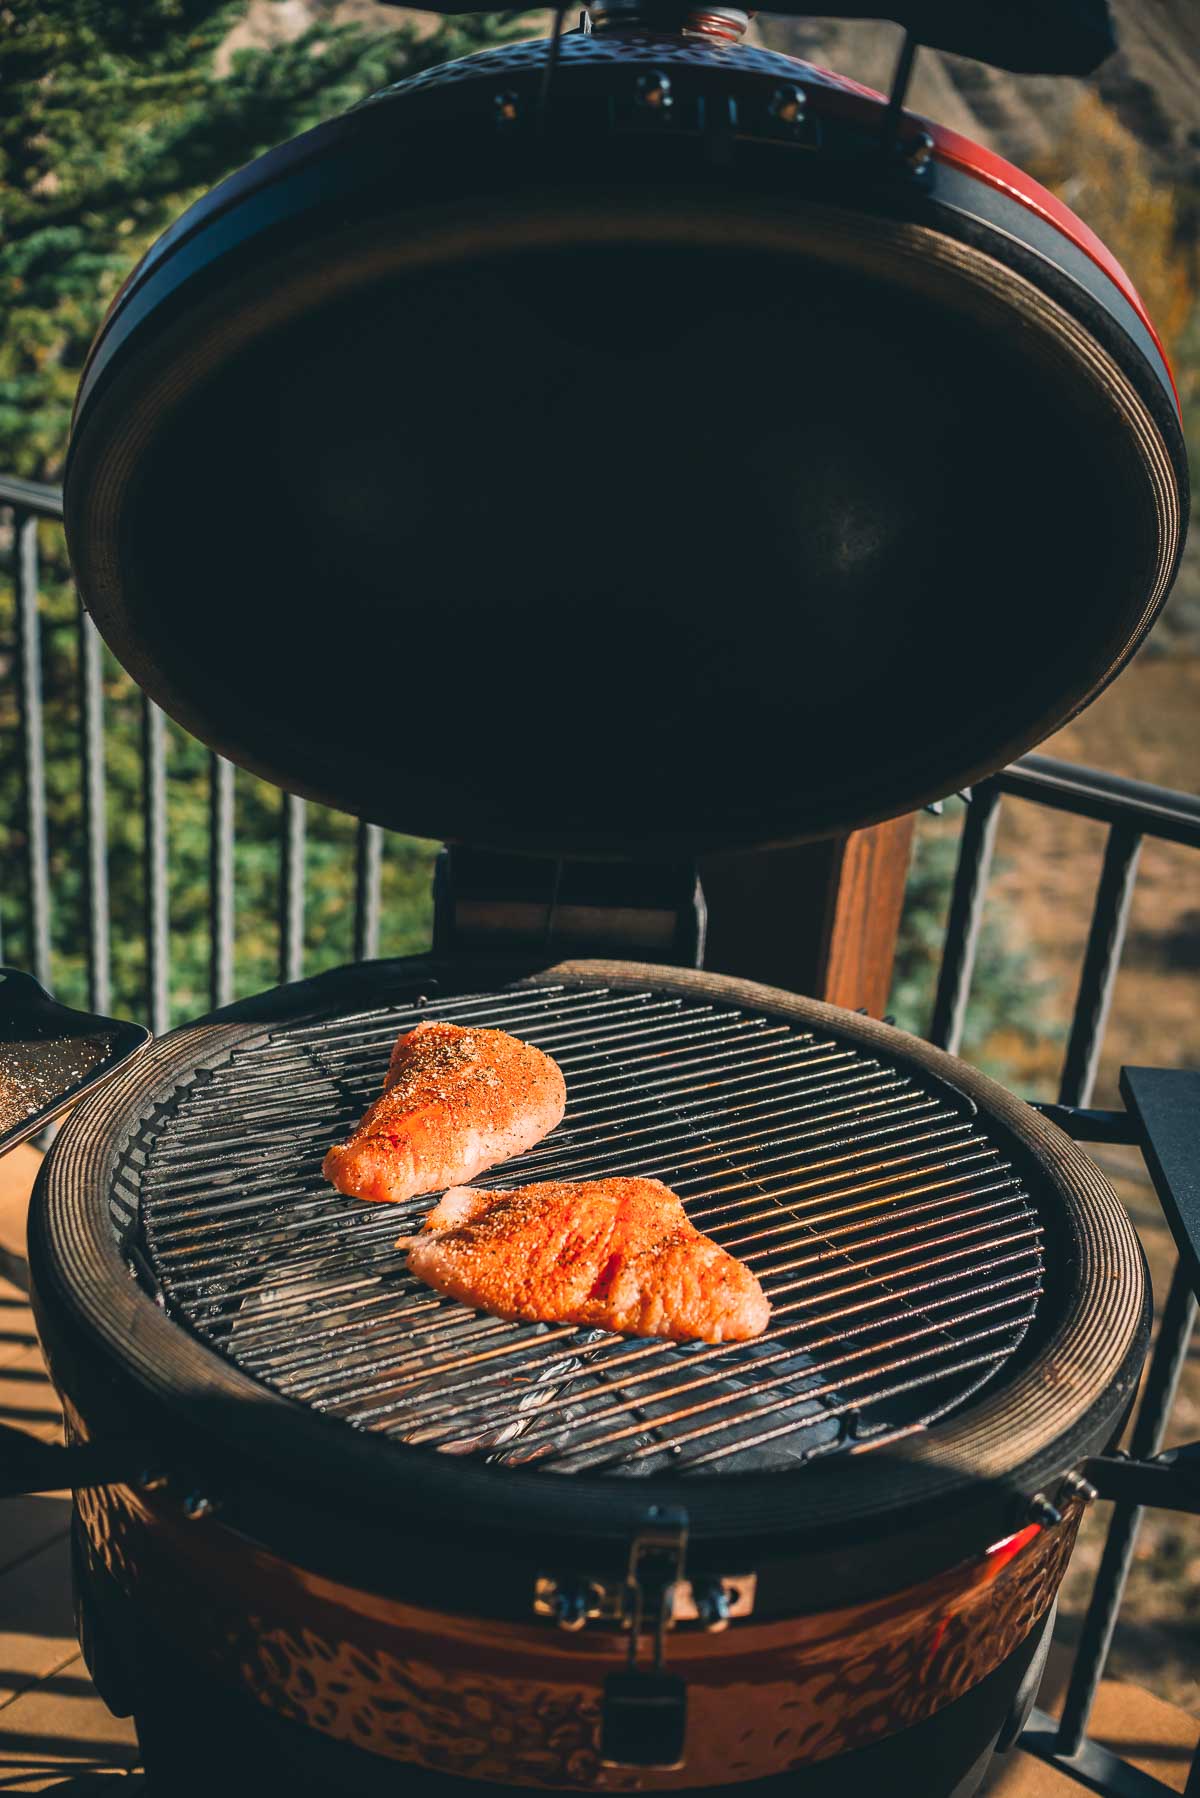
<point>115,118</point>
<point>1006,993</point>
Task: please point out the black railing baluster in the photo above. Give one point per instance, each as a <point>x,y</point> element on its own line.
<point>154,801</point>
<point>1100,962</point>
<point>291,890</point>
<point>220,880</point>
<point>95,815</point>
<point>368,866</point>
<point>1162,1381</point>
<point>966,914</point>
<point>33,753</point>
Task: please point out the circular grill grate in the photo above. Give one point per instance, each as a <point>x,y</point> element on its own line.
<point>899,1247</point>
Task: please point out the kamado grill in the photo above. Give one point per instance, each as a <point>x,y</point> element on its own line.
<point>775,462</point>
<point>418,1530</point>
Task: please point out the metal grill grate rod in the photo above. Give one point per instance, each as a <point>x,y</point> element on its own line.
<point>868,1293</point>
<point>659,1348</point>
<point>988,1363</point>
<point>496,1328</point>
<point>896,1243</point>
<point>227,1228</point>
<point>351,1228</point>
<point>703,1358</point>
<point>434,1428</point>
<point>586,1452</point>
<point>679,1118</point>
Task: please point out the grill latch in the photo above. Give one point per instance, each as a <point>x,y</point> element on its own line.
<point>643,1717</point>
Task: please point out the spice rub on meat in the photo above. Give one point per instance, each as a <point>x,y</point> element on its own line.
<point>455,1101</point>
<point>615,1254</point>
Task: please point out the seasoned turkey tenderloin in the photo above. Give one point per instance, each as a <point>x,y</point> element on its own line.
<point>455,1101</point>
<point>616,1254</point>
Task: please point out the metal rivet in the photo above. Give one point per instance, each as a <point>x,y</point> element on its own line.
<point>569,1606</point>
<point>713,1605</point>
<point>1075,1484</point>
<point>654,90</point>
<point>1042,1511</point>
<point>788,105</point>
<point>196,1506</point>
<point>918,152</point>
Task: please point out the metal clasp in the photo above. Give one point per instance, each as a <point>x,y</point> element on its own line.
<point>643,1717</point>
<point>713,1603</point>
<point>656,1561</point>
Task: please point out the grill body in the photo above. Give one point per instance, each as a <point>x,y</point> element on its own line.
<point>383,1509</point>
<point>387,1687</point>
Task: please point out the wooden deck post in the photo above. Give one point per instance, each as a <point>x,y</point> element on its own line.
<point>820,919</point>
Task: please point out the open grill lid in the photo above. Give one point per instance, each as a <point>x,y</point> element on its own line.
<point>690,459</point>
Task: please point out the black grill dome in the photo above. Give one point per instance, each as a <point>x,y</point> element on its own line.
<point>629,477</point>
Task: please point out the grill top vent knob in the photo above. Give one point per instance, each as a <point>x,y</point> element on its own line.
<point>719,24</point>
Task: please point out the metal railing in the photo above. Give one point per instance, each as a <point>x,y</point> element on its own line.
<point>29,502</point>
<point>1132,811</point>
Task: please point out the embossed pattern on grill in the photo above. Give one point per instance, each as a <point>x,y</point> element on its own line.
<point>899,1248</point>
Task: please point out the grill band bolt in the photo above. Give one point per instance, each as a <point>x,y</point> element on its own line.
<point>151,1479</point>
<point>788,106</point>
<point>654,92</point>
<point>569,1605</point>
<point>1075,1486</point>
<point>714,1607</point>
<point>918,154</point>
<point>196,1507</point>
<point>1042,1511</point>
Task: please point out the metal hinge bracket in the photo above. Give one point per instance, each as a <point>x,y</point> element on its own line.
<point>1168,1482</point>
<point>643,1720</point>
<point>643,1716</point>
<point>713,1603</point>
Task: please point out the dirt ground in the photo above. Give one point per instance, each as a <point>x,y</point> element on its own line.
<point>1147,725</point>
